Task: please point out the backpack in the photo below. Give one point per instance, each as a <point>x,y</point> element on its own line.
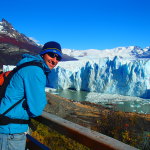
<point>3,75</point>
<point>4,81</point>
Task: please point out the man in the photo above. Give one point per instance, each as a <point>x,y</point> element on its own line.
<point>28,83</point>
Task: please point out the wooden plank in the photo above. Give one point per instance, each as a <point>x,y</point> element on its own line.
<point>85,136</point>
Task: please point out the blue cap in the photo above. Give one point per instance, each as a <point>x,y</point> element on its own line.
<point>53,47</point>
<point>53,50</point>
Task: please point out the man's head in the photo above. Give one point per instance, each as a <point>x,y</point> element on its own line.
<point>51,53</point>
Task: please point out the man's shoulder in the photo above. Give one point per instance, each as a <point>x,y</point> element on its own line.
<point>31,69</point>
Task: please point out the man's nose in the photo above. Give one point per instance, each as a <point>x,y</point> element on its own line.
<point>55,59</point>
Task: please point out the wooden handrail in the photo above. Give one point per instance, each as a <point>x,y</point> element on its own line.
<point>83,135</point>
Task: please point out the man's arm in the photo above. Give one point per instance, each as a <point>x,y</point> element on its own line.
<point>34,88</point>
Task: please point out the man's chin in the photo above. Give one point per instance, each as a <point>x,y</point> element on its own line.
<point>51,67</point>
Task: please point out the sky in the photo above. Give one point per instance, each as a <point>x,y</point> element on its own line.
<point>81,24</point>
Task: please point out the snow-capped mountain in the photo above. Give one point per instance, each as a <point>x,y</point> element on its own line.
<point>129,52</point>
<point>9,35</point>
<point>13,44</point>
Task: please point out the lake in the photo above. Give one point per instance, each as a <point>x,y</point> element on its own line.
<point>113,101</point>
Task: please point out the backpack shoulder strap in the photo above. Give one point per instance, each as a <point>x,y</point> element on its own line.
<point>31,63</point>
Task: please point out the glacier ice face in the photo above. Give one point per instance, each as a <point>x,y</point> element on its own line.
<point>8,67</point>
<point>117,76</point>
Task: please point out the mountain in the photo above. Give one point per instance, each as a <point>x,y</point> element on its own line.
<point>9,35</point>
<point>129,52</point>
<point>13,44</point>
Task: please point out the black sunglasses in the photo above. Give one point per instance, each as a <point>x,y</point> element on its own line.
<point>51,54</point>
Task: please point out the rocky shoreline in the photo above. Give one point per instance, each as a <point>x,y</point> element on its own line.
<point>85,113</point>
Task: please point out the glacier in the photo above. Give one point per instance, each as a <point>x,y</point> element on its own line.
<point>122,70</point>
<point>128,77</point>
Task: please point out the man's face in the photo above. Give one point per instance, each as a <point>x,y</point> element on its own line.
<point>51,61</point>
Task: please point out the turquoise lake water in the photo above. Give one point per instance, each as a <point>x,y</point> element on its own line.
<point>113,101</point>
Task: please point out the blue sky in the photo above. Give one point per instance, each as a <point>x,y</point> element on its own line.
<point>81,24</point>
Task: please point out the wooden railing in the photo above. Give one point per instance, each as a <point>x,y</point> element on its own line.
<point>85,136</point>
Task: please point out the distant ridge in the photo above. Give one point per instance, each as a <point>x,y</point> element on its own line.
<point>129,52</point>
